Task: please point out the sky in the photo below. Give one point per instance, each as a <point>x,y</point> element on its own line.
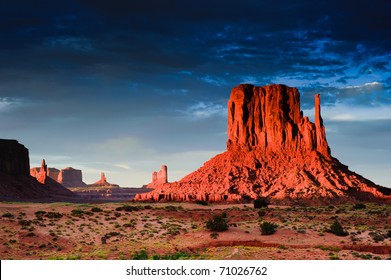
<point>123,87</point>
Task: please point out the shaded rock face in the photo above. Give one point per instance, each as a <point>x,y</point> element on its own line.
<point>15,180</point>
<point>14,158</point>
<point>273,151</point>
<point>70,177</point>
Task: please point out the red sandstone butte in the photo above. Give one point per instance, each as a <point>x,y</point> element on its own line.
<point>272,151</point>
<point>16,184</point>
<point>159,178</point>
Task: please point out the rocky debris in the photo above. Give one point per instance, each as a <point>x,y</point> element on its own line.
<point>103,182</point>
<point>70,177</point>
<point>272,151</point>
<point>159,177</point>
<point>16,184</point>
<point>14,158</point>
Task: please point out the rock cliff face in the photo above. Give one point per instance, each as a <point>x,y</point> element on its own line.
<point>273,151</point>
<point>14,158</point>
<point>159,177</point>
<point>15,180</point>
<point>70,177</point>
<point>269,119</point>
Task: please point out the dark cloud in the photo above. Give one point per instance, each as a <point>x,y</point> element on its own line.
<point>153,69</point>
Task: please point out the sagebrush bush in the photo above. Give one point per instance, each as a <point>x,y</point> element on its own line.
<point>268,228</point>
<point>140,255</point>
<point>202,202</point>
<point>337,229</point>
<point>358,206</point>
<point>96,209</point>
<point>261,202</point>
<point>217,223</point>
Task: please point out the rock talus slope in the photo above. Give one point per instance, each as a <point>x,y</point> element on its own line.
<point>274,151</point>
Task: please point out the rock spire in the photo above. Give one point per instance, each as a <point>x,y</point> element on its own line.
<point>273,151</point>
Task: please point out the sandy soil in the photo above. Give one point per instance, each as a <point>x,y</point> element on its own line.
<point>177,230</point>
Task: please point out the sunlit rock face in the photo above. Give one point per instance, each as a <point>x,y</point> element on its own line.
<point>159,178</point>
<point>274,151</point>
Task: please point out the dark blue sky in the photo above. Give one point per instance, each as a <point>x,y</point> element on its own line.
<point>125,86</point>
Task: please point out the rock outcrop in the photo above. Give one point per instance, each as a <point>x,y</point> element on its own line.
<point>14,158</point>
<point>16,184</point>
<point>159,177</point>
<point>272,151</point>
<point>70,177</point>
<point>103,182</point>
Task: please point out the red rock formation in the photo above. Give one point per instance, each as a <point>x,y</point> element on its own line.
<point>70,177</point>
<point>273,151</point>
<point>159,177</point>
<point>14,158</point>
<point>102,182</point>
<point>43,173</point>
<point>15,180</point>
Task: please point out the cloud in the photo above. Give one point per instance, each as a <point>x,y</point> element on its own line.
<point>121,147</point>
<point>7,103</point>
<point>79,44</point>
<point>204,110</point>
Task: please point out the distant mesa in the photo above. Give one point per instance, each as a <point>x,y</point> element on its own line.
<point>16,184</point>
<point>272,151</point>
<point>68,177</point>
<point>103,182</point>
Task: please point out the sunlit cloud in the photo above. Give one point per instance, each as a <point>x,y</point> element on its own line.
<point>204,110</point>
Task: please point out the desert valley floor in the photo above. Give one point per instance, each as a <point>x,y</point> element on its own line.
<point>177,231</point>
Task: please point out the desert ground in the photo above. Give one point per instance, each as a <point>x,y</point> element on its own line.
<point>178,231</point>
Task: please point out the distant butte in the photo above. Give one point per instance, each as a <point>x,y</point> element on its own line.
<point>16,184</point>
<point>103,182</point>
<point>272,151</point>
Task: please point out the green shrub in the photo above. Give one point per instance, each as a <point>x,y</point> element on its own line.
<point>8,215</point>
<point>261,213</point>
<point>140,255</point>
<point>25,223</point>
<point>261,202</point>
<point>337,229</point>
<point>214,235</point>
<point>358,206</point>
<point>268,228</point>
<point>389,234</point>
<point>202,202</point>
<point>96,209</point>
<point>77,212</point>
<point>377,237</point>
<point>176,256</point>
<point>53,215</point>
<point>40,213</point>
<point>217,223</point>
